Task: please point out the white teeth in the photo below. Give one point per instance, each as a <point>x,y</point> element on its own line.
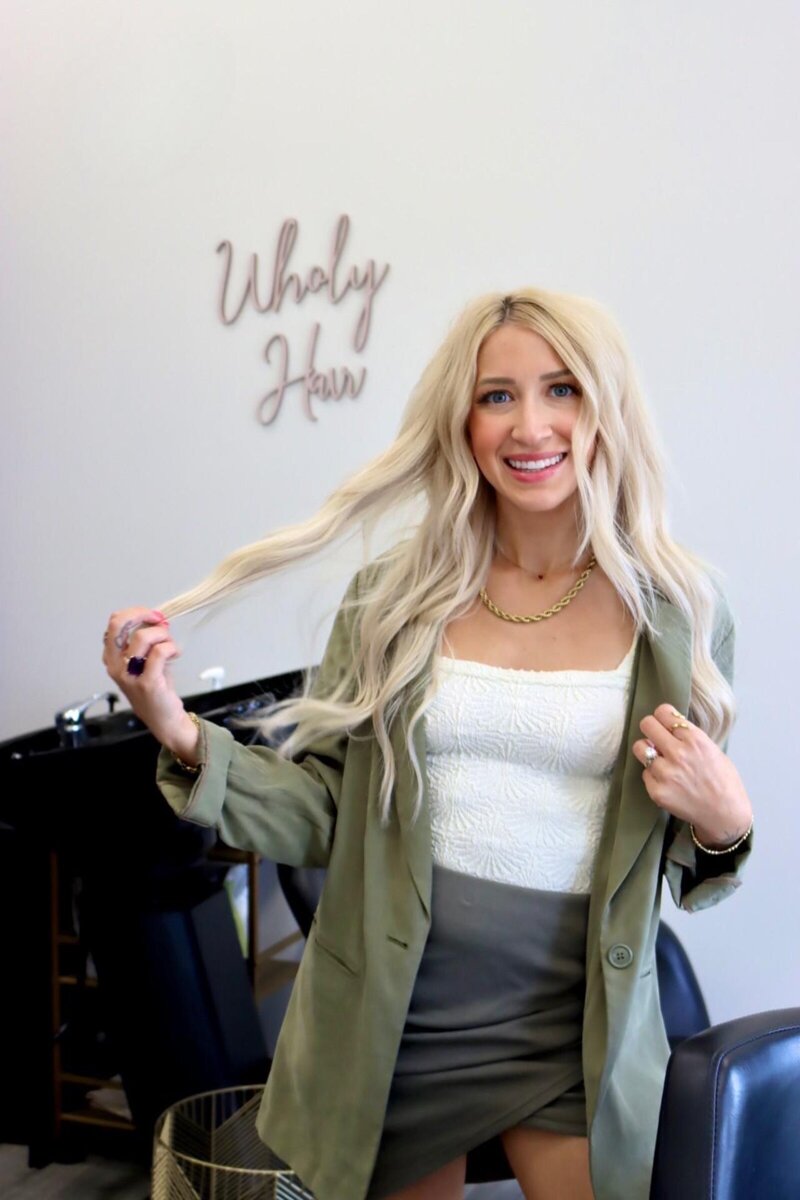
<point>534,466</point>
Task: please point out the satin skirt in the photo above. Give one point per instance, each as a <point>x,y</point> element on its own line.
<point>494,1028</point>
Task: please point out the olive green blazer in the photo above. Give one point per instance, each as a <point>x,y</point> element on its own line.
<point>326,1095</point>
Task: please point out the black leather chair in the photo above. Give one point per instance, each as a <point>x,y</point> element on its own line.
<point>729,1127</point>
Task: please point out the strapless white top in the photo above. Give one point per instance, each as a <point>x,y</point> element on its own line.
<point>519,767</point>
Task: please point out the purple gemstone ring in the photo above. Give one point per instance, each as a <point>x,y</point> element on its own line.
<point>134,665</point>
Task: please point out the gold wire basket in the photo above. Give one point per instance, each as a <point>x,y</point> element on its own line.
<point>206,1147</point>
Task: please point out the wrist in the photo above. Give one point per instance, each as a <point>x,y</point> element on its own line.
<point>184,743</point>
<point>731,819</point>
<point>718,841</point>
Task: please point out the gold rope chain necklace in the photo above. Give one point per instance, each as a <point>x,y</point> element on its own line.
<point>548,612</point>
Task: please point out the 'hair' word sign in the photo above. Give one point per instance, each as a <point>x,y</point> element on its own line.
<point>329,278</point>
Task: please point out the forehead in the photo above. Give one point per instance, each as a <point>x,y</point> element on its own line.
<point>516,349</point>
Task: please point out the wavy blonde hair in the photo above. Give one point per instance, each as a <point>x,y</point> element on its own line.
<point>397,615</point>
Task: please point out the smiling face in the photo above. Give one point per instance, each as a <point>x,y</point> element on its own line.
<point>524,409</point>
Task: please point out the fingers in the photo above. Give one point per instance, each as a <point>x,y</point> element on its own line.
<point>144,638</point>
<point>666,729</point>
<point>122,625</point>
<point>140,638</point>
<point>133,636</point>
<point>670,718</point>
<point>149,665</point>
<point>639,750</point>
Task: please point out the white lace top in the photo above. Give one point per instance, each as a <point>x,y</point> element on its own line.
<point>519,767</point>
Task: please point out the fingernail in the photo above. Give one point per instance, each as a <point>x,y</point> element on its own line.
<point>159,614</point>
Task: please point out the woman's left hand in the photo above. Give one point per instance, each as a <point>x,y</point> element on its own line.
<point>692,778</point>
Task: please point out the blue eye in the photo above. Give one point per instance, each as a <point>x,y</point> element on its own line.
<point>568,386</point>
<point>486,398</point>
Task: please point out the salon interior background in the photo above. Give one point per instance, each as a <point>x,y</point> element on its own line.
<point>645,156</point>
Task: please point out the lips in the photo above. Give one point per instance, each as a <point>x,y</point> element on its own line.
<point>536,458</point>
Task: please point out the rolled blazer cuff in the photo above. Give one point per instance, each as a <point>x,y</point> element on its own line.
<point>256,799</point>
<point>198,798</point>
<point>697,880</point>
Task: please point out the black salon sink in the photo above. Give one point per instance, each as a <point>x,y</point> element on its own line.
<point>101,796</point>
<point>114,729</point>
<point>103,730</point>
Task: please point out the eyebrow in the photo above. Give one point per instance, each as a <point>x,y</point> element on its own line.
<point>542,378</point>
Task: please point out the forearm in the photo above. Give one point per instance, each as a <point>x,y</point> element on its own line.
<point>184,741</point>
<point>257,800</point>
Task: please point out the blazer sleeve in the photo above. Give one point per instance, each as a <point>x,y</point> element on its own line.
<point>698,880</point>
<point>258,800</point>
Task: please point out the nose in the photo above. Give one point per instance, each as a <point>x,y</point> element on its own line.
<point>531,423</point>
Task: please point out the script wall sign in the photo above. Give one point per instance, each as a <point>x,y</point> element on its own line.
<point>334,282</point>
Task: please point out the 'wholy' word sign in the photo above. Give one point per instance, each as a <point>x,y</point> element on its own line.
<point>331,279</point>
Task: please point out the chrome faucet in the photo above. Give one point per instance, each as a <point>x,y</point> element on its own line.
<point>70,721</point>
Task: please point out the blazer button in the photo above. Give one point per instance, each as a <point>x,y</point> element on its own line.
<point>620,955</point>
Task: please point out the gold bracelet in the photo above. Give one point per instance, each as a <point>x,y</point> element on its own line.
<point>725,849</point>
<point>190,770</point>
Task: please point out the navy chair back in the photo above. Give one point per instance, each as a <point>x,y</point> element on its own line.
<point>682,1004</point>
<point>729,1124</point>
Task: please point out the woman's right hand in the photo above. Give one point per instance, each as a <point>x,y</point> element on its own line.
<point>143,634</point>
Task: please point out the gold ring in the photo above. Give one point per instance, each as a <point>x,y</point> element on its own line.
<point>679,725</point>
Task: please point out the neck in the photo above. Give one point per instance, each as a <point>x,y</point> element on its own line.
<point>538,543</point>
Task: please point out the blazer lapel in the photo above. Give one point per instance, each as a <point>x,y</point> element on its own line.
<point>663,677</point>
<point>417,836</point>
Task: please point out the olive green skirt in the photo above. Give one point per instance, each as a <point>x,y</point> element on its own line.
<point>494,1028</point>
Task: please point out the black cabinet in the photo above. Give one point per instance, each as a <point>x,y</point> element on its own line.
<point>123,969</point>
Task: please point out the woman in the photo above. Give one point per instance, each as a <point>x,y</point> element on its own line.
<point>494,766</point>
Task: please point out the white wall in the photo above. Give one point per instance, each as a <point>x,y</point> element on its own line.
<point>643,155</point>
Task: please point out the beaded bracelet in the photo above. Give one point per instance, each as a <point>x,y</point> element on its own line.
<point>190,770</point>
<point>725,849</point>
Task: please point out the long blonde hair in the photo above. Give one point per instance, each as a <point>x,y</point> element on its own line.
<point>434,575</point>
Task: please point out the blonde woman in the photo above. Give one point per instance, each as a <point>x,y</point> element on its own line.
<point>519,725</point>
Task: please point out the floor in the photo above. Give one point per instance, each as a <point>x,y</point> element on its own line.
<point>95,1179</point>
<point>105,1179</point>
